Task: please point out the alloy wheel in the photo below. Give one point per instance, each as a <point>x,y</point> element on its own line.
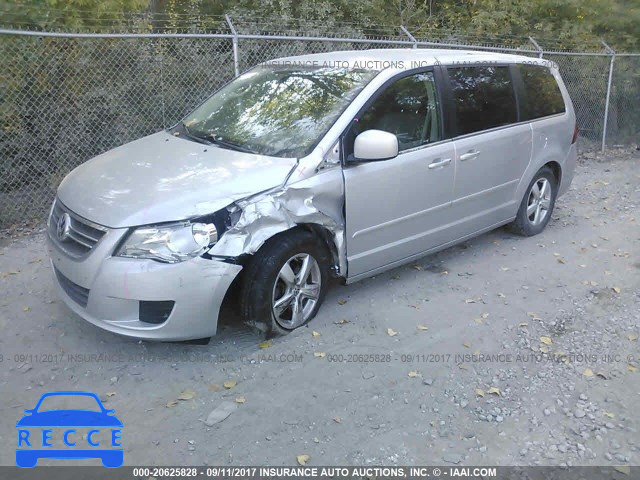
<point>296,291</point>
<point>539,201</point>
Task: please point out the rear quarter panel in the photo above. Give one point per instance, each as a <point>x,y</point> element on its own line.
<point>551,137</point>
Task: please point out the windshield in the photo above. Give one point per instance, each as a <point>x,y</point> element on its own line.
<point>277,111</point>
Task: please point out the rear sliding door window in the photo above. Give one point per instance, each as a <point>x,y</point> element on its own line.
<point>483,97</point>
<point>542,95</point>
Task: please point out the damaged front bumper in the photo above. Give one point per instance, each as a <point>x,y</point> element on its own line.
<point>143,298</point>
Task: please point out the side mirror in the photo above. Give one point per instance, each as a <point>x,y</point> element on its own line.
<point>374,145</point>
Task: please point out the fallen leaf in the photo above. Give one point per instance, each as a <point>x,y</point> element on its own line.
<point>544,348</point>
<point>316,334</point>
<point>214,387</point>
<point>319,354</point>
<point>220,413</point>
<point>546,340</point>
<point>391,332</point>
<point>505,269</point>
<point>342,301</point>
<point>172,403</point>
<point>632,337</point>
<point>412,374</point>
<point>587,372</point>
<point>478,321</point>
<point>494,390</point>
<point>523,324</point>
<point>26,309</point>
<point>602,375</point>
<point>616,289</point>
<point>187,395</point>
<point>416,267</point>
<point>463,366</point>
<point>303,459</point>
<point>609,414</point>
<point>469,300</point>
<point>422,327</point>
<point>479,392</point>
<point>229,384</point>
<point>484,316</point>
<point>467,344</point>
<point>631,368</point>
<point>265,344</point>
<point>502,295</point>
<point>337,419</point>
<point>562,260</point>
<point>110,394</point>
<point>240,399</point>
<point>624,469</point>
<point>534,316</point>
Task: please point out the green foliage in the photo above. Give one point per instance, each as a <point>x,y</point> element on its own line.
<point>574,24</point>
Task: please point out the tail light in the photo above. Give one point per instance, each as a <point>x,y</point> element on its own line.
<point>576,130</point>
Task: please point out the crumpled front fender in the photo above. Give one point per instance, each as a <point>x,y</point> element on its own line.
<point>317,200</point>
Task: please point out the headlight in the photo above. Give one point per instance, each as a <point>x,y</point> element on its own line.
<point>170,243</point>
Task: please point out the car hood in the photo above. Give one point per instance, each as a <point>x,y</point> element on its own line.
<point>69,418</point>
<point>162,178</point>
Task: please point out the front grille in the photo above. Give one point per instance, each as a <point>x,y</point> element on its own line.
<point>82,235</point>
<point>78,294</point>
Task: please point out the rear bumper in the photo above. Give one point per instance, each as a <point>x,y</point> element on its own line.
<point>115,286</point>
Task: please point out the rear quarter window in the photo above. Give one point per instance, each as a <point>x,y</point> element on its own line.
<point>542,96</point>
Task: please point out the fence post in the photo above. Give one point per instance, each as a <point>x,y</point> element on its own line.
<point>411,37</point>
<point>611,52</point>
<point>236,61</point>
<point>538,47</point>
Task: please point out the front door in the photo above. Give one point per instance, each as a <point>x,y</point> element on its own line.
<point>399,207</point>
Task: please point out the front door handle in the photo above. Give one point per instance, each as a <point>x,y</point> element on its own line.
<point>470,155</point>
<point>439,163</point>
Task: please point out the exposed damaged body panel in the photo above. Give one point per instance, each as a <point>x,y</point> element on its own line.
<point>317,200</point>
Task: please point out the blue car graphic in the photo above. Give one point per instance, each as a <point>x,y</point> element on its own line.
<point>28,457</point>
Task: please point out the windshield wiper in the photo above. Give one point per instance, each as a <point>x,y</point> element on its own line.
<point>212,138</point>
<point>192,136</point>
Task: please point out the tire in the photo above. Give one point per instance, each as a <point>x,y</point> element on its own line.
<point>274,298</point>
<point>537,205</point>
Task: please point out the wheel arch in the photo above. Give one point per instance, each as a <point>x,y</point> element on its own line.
<point>556,168</point>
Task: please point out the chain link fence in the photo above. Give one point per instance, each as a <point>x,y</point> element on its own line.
<point>65,98</point>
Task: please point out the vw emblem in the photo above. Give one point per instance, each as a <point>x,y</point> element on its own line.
<point>63,227</point>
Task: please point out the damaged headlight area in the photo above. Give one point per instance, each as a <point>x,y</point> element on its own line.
<point>170,243</point>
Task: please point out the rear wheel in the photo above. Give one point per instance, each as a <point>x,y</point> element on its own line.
<point>537,205</point>
<point>285,283</point>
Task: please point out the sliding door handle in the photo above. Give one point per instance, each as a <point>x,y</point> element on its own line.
<point>439,163</point>
<point>469,155</point>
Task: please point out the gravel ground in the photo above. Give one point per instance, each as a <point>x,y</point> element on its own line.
<point>501,351</point>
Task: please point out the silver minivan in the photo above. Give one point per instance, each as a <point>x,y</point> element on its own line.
<point>340,164</point>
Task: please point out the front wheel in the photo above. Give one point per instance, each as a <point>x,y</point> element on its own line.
<point>285,282</point>
<point>537,205</point>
